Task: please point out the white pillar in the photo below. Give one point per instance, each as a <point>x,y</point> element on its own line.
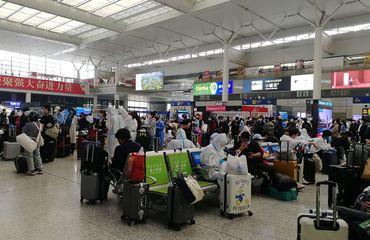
<point>116,100</point>
<point>116,76</point>
<point>225,74</point>
<point>95,75</point>
<point>95,102</point>
<point>78,76</point>
<point>28,97</point>
<point>317,68</point>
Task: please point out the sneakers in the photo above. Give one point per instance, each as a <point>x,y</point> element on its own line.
<point>30,173</point>
<point>34,172</point>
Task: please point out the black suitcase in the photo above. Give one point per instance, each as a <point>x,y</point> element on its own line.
<point>349,183</point>
<point>48,151</point>
<point>63,147</point>
<point>94,186</point>
<point>309,170</point>
<point>21,163</point>
<point>135,202</point>
<point>328,158</point>
<point>357,155</point>
<point>12,133</point>
<point>179,211</point>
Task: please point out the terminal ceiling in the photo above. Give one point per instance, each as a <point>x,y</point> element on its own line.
<point>127,31</point>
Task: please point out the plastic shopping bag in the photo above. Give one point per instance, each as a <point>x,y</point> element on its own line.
<point>237,165</point>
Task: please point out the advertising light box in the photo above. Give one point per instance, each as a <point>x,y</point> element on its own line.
<point>214,88</point>
<point>149,81</point>
<point>351,79</point>
<point>277,84</point>
<point>301,82</point>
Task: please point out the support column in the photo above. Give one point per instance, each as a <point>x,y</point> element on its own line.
<point>78,76</point>
<point>317,68</point>
<point>95,102</point>
<point>116,76</point>
<point>95,75</point>
<point>225,74</point>
<point>28,97</point>
<point>116,100</point>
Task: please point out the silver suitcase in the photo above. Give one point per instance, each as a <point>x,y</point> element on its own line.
<point>235,194</point>
<point>320,226</point>
<point>11,150</point>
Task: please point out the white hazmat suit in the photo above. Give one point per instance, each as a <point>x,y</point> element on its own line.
<point>114,123</point>
<point>181,141</point>
<point>212,157</point>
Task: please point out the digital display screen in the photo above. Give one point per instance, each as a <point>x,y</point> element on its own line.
<point>149,81</point>
<point>214,88</point>
<point>195,157</point>
<point>301,82</point>
<point>257,85</point>
<point>86,111</point>
<point>325,119</point>
<point>283,115</point>
<point>351,79</point>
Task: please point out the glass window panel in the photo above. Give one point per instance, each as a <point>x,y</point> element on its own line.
<point>73,2</point>
<point>29,11</point>
<point>19,17</point>
<point>11,6</point>
<point>5,12</point>
<point>62,29</point>
<point>48,25</point>
<point>45,15</point>
<point>34,21</point>
<point>93,4</point>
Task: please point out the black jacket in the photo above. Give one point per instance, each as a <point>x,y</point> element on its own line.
<point>121,153</point>
<point>48,121</point>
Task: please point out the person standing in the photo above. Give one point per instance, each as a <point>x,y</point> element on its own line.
<point>47,120</point>
<point>71,122</point>
<point>235,127</point>
<point>33,130</point>
<point>362,130</point>
<point>152,125</point>
<point>159,131</point>
<point>186,125</point>
<point>114,122</point>
<point>3,119</point>
<point>83,124</point>
<point>59,118</point>
<point>12,118</point>
<point>133,127</point>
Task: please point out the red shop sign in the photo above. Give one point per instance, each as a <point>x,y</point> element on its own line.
<point>216,108</point>
<point>33,84</point>
<point>254,109</point>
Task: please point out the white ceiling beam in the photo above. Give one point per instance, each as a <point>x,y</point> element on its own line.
<point>38,33</point>
<point>71,13</point>
<point>181,5</point>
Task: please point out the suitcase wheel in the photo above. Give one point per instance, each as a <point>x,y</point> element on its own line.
<point>131,223</point>
<point>222,213</point>
<point>192,221</point>
<point>231,216</point>
<point>250,213</point>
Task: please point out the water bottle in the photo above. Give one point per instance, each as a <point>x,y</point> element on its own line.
<point>141,151</point>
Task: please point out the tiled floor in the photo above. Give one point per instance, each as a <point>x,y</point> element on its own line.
<point>48,207</point>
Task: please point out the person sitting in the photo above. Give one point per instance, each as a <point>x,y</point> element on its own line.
<point>323,143</point>
<point>125,147</point>
<point>181,141</point>
<point>212,157</point>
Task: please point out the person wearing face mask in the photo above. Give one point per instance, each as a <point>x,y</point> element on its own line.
<point>180,142</point>
<point>213,156</point>
<point>259,125</point>
<point>113,125</point>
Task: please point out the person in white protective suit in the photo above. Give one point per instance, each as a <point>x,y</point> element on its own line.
<point>213,137</point>
<point>114,123</point>
<point>181,141</point>
<point>213,156</point>
<point>133,128</point>
<point>128,122</point>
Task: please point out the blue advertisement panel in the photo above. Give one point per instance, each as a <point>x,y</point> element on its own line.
<point>363,99</point>
<point>220,86</point>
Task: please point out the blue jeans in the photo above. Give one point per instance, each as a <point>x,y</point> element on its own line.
<point>33,159</point>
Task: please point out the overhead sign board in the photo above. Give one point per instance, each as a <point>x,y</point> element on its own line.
<point>214,88</point>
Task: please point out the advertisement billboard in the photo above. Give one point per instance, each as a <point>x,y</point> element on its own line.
<point>325,119</point>
<point>149,81</point>
<point>301,82</point>
<point>273,84</point>
<point>214,88</point>
<point>351,79</point>
<point>265,101</point>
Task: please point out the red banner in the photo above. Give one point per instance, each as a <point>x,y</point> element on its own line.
<point>217,108</point>
<point>254,109</point>
<point>32,84</point>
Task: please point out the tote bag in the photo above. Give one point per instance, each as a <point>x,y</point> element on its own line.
<point>195,189</point>
<point>26,142</point>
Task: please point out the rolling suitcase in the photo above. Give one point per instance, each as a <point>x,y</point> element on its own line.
<point>309,169</point>
<point>21,163</point>
<point>179,210</point>
<point>135,202</point>
<point>235,195</point>
<point>357,155</point>
<point>63,147</point>
<point>48,151</point>
<point>328,158</point>
<point>93,184</point>
<point>12,133</point>
<point>322,226</point>
<point>11,151</point>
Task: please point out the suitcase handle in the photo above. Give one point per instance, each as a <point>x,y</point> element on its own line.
<point>333,189</point>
